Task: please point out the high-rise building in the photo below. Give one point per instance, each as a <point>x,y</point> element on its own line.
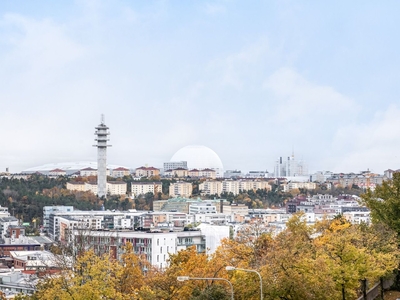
<point>102,138</point>
<point>290,167</point>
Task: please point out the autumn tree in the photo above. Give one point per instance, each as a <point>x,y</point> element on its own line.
<point>384,204</point>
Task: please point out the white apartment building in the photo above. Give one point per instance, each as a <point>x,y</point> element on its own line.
<point>231,186</point>
<point>235,186</point>
<point>239,209</point>
<point>175,165</point>
<point>48,210</point>
<point>116,188</point>
<point>154,245</point>
<point>5,222</point>
<point>120,172</point>
<point>210,187</point>
<point>147,172</point>
<point>210,218</point>
<point>202,208</point>
<point>180,188</point>
<point>113,187</point>
<point>88,172</point>
<point>91,172</point>
<point>299,185</point>
<point>57,172</point>
<point>142,188</point>
<point>358,217</point>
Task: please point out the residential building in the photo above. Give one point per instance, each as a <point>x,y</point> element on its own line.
<point>299,185</point>
<point>142,188</point>
<point>48,210</point>
<point>5,222</point>
<point>116,187</point>
<point>180,188</point>
<point>210,187</point>
<point>175,165</point>
<point>79,186</point>
<point>113,187</point>
<point>176,173</point>
<point>147,172</point>
<point>86,172</point>
<point>120,172</point>
<point>57,172</point>
<point>233,174</point>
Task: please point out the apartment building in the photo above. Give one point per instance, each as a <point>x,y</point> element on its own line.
<point>210,187</point>
<point>147,172</point>
<point>180,188</point>
<point>120,172</point>
<point>142,188</point>
<point>177,173</point>
<point>113,187</point>
<point>299,185</point>
<point>86,172</point>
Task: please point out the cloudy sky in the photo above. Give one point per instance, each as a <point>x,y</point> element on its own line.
<point>250,79</point>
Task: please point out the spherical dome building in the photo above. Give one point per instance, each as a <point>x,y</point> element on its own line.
<point>199,157</point>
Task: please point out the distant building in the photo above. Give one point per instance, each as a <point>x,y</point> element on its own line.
<point>389,173</point>
<point>120,172</point>
<point>147,172</point>
<point>86,172</point>
<point>142,188</point>
<point>210,187</point>
<point>48,210</point>
<point>257,174</point>
<point>176,173</point>
<point>171,165</point>
<point>6,222</point>
<point>290,167</point>
<point>180,188</point>
<point>299,185</point>
<point>57,172</point>
<point>112,187</point>
<point>116,188</point>
<point>233,174</point>
<point>203,173</point>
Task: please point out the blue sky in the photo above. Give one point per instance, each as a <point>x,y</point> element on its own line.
<point>250,79</point>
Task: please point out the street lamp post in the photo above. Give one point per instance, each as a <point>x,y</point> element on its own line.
<point>230,268</point>
<point>184,278</point>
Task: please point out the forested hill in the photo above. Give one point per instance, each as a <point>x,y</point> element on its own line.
<point>25,198</point>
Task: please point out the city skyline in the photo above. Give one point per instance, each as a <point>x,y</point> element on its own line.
<point>250,82</point>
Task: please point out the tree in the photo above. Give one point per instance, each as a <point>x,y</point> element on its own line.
<point>95,277</point>
<point>384,203</point>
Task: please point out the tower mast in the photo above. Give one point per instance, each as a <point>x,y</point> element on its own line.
<point>102,139</point>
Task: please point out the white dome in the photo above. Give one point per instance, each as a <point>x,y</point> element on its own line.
<point>198,157</point>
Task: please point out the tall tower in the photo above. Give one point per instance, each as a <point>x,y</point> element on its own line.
<point>102,138</point>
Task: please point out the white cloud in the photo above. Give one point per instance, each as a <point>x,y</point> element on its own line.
<point>374,144</point>
<point>40,44</point>
<point>299,99</point>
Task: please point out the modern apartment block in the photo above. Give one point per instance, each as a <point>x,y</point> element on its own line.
<point>142,188</point>
<point>147,172</point>
<point>112,187</point>
<point>180,188</point>
<point>210,187</point>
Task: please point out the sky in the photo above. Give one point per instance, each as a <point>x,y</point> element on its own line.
<point>252,80</point>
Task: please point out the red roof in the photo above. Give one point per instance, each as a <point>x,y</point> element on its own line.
<point>57,170</point>
<point>88,169</point>
<point>148,168</point>
<point>121,169</point>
